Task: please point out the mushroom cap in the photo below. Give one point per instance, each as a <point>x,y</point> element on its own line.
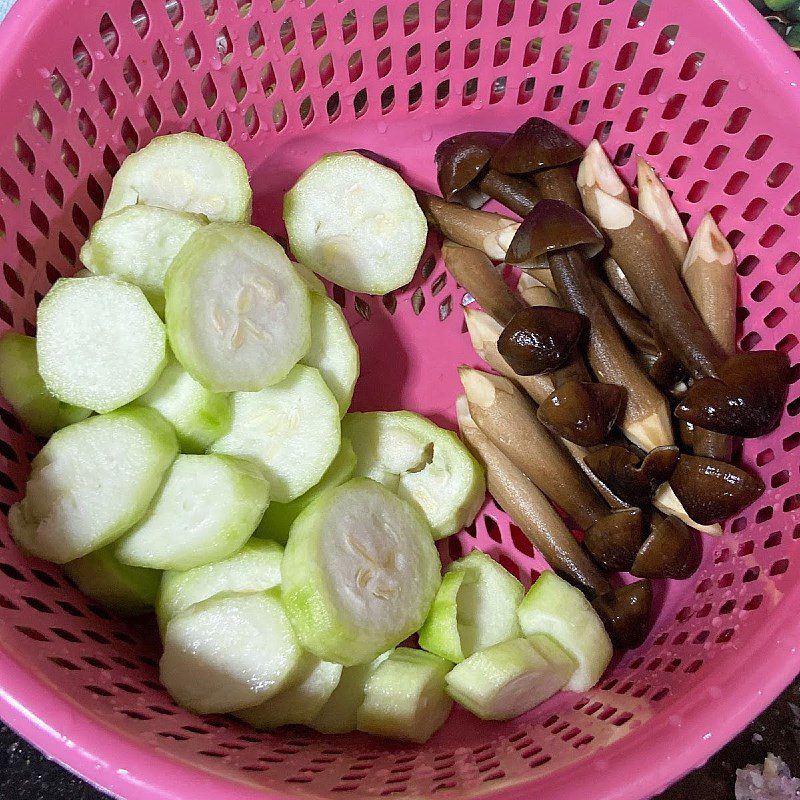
<point>746,399</point>
<point>631,478</point>
<point>614,540</point>
<point>625,612</point>
<point>460,160</point>
<point>670,551</point>
<point>540,339</point>
<point>537,144</point>
<point>582,412</point>
<point>551,227</point>
<point>711,490</point>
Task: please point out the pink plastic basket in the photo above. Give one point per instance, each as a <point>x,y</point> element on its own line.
<point>702,88</point>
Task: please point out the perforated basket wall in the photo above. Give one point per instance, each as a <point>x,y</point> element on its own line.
<point>703,89</point>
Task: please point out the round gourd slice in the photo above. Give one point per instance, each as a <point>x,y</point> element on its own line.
<point>291,430</point>
<point>355,222</point>
<point>424,464</point>
<point>137,244</point>
<point>91,482</point>
<point>99,342</point>
<point>359,572</point>
<point>238,314</point>
<point>184,172</point>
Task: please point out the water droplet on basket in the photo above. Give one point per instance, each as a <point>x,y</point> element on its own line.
<point>382,127</point>
<point>99,55</point>
<point>215,62</point>
<point>714,692</point>
<point>19,72</point>
<point>742,83</point>
<point>661,98</point>
<point>706,736</point>
<point>676,721</point>
<point>44,73</point>
<point>427,134</point>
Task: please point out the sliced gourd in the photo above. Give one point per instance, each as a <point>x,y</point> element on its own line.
<point>291,430</point>
<point>184,172</point>
<point>333,350</point>
<point>206,510</point>
<point>310,278</point>
<point>487,602</point>
<point>355,222</point>
<point>339,714</point>
<point>103,577</point>
<point>510,678</point>
<point>554,607</point>
<point>99,342</point>
<point>198,415</point>
<point>477,612</point>
<point>231,652</point>
<point>440,634</point>
<point>91,482</point>
<point>137,244</point>
<point>301,702</point>
<point>254,568</point>
<point>23,387</point>
<point>405,697</point>
<point>279,517</point>
<point>422,463</point>
<point>359,573</point>
<point>238,314</point>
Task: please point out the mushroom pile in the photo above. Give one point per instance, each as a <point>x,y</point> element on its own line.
<point>616,392</point>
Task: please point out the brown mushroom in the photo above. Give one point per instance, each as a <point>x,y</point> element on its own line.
<point>567,239</point>
<point>745,399</point>
<point>709,272</point>
<point>633,479</point>
<point>656,204</point>
<point>582,411</point>
<point>615,539</point>
<point>539,148</point>
<point>481,230</point>
<point>465,177</point>
<point>625,612</point>
<point>540,339</point>
<point>530,509</point>
<point>484,332</point>
<point>712,491</point>
<point>670,551</point>
<point>740,395</point>
<point>473,270</point>
<point>508,419</point>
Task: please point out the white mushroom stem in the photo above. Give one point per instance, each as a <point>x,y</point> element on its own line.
<point>538,291</point>
<point>666,501</point>
<point>709,272</point>
<point>597,170</point>
<point>656,204</point>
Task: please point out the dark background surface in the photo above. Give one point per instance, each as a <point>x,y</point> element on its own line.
<point>27,775</point>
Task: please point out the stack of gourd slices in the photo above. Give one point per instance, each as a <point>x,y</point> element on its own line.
<point>195,384</point>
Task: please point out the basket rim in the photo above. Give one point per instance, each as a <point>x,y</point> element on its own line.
<point>121,765</point>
